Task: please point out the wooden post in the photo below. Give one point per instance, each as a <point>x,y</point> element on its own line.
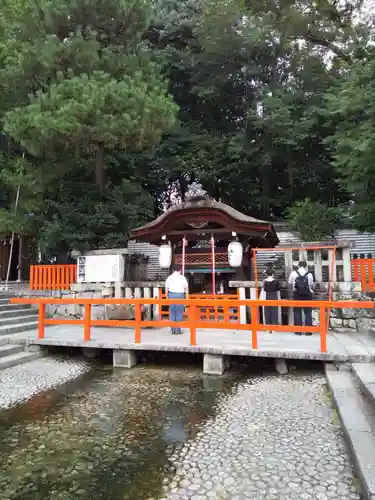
<point>363,274</point>
<point>355,269</point>
<point>73,275</point>
<point>55,284</point>
<point>254,326</point>
<point>193,329</point>
<point>41,318</point>
<point>32,283</point>
<point>87,323</point>
<point>332,264</point>
<point>138,319</point>
<point>48,277</point>
<point>323,330</point>
<point>331,278</point>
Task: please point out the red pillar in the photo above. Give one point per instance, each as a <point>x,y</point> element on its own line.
<point>213,265</point>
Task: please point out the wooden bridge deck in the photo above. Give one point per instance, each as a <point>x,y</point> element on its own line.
<point>351,346</point>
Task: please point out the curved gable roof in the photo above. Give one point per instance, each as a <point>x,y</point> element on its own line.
<point>203,208</point>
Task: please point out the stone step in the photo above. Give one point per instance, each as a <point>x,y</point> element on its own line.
<point>8,349</point>
<point>25,311</point>
<point>6,295</point>
<point>17,359</point>
<point>365,377</point>
<point>13,338</point>
<point>18,327</point>
<point>358,423</point>
<point>13,307</point>
<point>33,316</point>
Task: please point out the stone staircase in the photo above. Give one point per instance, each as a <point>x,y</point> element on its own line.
<point>15,318</point>
<point>353,391</point>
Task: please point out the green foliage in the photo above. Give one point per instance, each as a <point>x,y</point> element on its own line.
<point>351,107</point>
<point>78,84</point>
<point>90,82</point>
<point>249,98</point>
<point>82,218</point>
<point>313,221</point>
<point>18,173</point>
<point>152,95</point>
<point>94,109</point>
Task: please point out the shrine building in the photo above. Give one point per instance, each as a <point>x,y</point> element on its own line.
<point>200,234</point>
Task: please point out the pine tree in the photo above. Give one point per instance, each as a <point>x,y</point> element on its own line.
<point>87,80</point>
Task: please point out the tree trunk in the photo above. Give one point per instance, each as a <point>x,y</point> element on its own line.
<point>19,267</point>
<point>99,166</point>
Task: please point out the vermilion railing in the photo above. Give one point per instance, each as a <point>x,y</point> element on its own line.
<point>193,322</point>
<point>363,271</point>
<point>52,277</point>
<point>212,312</point>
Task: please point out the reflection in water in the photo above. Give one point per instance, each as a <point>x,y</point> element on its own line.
<point>109,436</point>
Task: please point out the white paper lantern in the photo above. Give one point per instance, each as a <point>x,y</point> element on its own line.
<point>235,252</point>
<point>165,256</point>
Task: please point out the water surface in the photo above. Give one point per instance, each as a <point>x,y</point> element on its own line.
<point>107,435</point>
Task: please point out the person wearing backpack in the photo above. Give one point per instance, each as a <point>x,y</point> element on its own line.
<point>302,282</point>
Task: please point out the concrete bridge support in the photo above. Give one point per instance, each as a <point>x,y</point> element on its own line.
<point>215,364</point>
<point>124,358</point>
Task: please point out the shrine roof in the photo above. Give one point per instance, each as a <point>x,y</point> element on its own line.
<point>197,211</point>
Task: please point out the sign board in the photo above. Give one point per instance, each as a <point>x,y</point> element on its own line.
<point>100,268</point>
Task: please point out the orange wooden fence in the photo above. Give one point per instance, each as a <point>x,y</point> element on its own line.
<point>193,321</point>
<point>211,313</point>
<point>52,277</point>
<point>363,271</point>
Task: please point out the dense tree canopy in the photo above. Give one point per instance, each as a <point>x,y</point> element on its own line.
<point>110,109</point>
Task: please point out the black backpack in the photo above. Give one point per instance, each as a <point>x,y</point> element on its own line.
<point>301,285</point>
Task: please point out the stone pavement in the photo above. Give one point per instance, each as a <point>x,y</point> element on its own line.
<point>19,383</point>
<point>351,346</point>
<point>273,438</point>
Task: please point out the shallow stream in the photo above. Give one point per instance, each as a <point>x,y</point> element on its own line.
<point>158,432</point>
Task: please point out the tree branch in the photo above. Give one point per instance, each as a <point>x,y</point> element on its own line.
<point>309,37</point>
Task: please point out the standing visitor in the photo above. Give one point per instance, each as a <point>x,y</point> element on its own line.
<point>176,287</point>
<point>271,288</point>
<point>302,283</point>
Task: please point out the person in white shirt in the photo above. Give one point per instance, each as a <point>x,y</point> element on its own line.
<point>176,287</point>
<point>302,282</point>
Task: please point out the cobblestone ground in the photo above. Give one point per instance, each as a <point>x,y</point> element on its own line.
<point>272,438</point>
<point>19,383</point>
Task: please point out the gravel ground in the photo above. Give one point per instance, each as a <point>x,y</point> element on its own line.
<point>272,438</point>
<point>19,383</point>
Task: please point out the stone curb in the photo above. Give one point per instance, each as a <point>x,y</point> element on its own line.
<point>357,425</point>
<point>365,377</point>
